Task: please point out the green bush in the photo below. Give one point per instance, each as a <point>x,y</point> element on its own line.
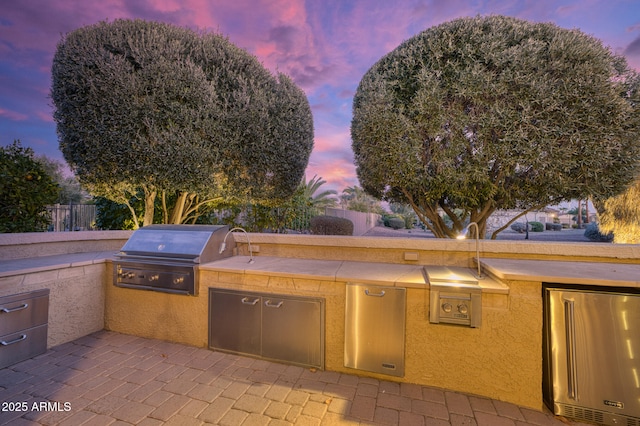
<point>519,227</point>
<point>553,226</point>
<point>593,233</point>
<point>25,190</point>
<point>536,226</point>
<point>331,225</point>
<point>396,223</point>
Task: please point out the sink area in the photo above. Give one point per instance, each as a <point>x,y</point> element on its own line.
<point>448,275</point>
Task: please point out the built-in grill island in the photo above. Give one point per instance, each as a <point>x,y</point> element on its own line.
<point>165,258</point>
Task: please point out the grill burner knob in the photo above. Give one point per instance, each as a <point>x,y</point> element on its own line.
<point>178,280</point>
<point>463,309</point>
<point>447,307</point>
<point>154,277</point>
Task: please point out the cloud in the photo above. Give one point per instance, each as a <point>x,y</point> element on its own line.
<point>12,115</point>
<point>633,49</point>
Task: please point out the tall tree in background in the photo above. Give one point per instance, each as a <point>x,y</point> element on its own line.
<point>480,114</point>
<point>25,190</point>
<point>183,117</point>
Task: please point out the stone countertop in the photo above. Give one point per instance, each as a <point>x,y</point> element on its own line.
<point>13,267</point>
<point>588,273</point>
<point>410,276</point>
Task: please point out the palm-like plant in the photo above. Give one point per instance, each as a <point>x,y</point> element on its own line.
<point>318,199</point>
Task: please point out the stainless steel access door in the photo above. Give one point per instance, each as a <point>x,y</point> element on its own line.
<point>375,328</point>
<point>235,321</point>
<point>292,329</point>
<point>594,345</point>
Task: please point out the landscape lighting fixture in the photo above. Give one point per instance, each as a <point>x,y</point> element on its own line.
<point>463,235</point>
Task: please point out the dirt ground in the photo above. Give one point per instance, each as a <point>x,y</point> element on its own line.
<point>566,235</point>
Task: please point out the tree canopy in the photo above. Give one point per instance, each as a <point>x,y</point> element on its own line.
<point>183,116</point>
<point>488,113</point>
<point>620,216</point>
<point>25,190</point>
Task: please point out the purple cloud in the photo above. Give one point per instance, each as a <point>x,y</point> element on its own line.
<point>12,115</point>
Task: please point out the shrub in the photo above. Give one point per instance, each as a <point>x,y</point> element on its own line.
<point>396,223</point>
<point>536,226</point>
<point>519,227</point>
<point>593,233</point>
<point>553,226</point>
<point>331,225</point>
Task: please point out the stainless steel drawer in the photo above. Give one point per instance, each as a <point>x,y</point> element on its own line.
<point>22,345</point>
<point>25,310</point>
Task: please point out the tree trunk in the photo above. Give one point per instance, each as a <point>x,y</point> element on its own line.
<point>178,209</point>
<point>149,205</point>
<point>579,214</point>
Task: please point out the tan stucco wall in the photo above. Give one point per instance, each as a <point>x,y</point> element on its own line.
<point>430,251</point>
<point>502,359</point>
<point>36,244</point>
<point>171,317</point>
<point>76,299</point>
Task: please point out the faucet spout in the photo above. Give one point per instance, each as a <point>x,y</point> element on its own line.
<point>463,235</point>
<point>223,246</point>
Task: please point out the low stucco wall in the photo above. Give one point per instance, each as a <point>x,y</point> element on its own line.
<point>76,298</point>
<point>501,360</point>
<point>430,251</point>
<point>38,244</point>
<point>171,317</point>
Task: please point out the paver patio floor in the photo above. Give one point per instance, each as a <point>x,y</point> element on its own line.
<point>108,378</point>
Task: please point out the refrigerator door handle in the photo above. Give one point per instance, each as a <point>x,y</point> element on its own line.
<point>570,325</point>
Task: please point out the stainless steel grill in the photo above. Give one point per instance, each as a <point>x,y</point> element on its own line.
<point>165,258</point>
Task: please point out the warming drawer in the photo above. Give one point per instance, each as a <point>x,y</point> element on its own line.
<point>23,326</point>
<point>375,328</point>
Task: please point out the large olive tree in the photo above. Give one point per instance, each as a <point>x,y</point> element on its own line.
<point>480,114</point>
<point>183,117</point>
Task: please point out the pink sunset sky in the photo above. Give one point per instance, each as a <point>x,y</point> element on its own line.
<point>324,45</point>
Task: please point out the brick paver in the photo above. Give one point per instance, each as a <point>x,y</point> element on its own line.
<point>110,378</point>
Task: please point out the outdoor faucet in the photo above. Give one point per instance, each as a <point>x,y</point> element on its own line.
<point>223,246</point>
<point>462,235</point>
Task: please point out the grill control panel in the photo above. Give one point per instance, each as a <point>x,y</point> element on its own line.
<point>176,279</point>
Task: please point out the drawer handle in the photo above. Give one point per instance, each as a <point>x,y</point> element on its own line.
<point>19,339</point>
<point>19,308</point>
<point>246,301</point>
<point>271,305</point>
<point>381,294</point>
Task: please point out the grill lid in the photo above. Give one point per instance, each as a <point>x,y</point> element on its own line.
<point>197,243</point>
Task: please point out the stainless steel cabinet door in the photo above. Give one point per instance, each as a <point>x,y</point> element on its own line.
<point>375,328</point>
<point>235,322</point>
<point>292,330</point>
<point>595,348</point>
